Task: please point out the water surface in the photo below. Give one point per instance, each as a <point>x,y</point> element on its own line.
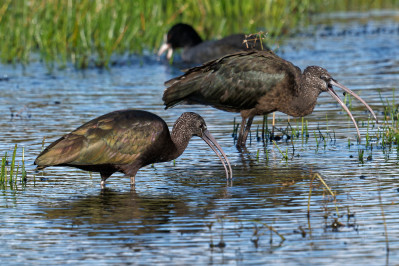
<point>186,212</point>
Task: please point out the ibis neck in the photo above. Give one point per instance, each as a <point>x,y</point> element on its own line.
<point>305,100</point>
<point>180,138</point>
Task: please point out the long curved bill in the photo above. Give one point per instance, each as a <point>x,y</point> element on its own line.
<point>211,141</point>
<point>335,83</point>
<point>335,96</point>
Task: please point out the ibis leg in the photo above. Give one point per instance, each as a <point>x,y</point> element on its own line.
<point>273,123</point>
<point>132,180</point>
<point>240,136</point>
<point>263,127</point>
<point>247,129</point>
<point>104,177</point>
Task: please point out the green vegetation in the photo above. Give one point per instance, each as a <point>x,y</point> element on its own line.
<point>285,155</point>
<point>11,172</point>
<point>388,132</point>
<point>89,32</point>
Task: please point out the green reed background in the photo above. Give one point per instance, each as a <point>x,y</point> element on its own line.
<point>88,32</point>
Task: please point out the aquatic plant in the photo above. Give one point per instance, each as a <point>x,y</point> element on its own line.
<point>284,154</point>
<point>361,156</point>
<point>386,135</point>
<point>258,227</point>
<point>313,177</point>
<point>11,172</point>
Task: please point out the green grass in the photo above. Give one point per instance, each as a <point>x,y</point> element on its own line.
<point>285,155</point>
<point>89,32</point>
<point>12,172</point>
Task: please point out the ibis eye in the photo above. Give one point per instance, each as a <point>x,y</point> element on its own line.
<point>325,77</point>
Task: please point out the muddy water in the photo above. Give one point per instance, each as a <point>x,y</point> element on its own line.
<point>185,212</point>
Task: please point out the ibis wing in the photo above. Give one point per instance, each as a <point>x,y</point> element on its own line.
<point>233,82</point>
<point>112,139</point>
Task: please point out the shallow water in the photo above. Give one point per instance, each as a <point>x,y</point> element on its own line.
<point>187,213</point>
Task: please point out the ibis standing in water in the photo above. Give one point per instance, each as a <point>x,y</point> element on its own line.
<point>255,83</point>
<point>126,140</point>
<point>197,51</point>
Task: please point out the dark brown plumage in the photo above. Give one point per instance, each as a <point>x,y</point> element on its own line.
<point>197,51</point>
<point>254,83</point>
<point>126,140</point>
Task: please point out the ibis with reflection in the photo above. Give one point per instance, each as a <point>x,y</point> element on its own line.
<point>126,140</point>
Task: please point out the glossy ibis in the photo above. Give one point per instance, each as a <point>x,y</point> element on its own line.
<point>254,83</point>
<point>126,140</point>
<point>197,51</point>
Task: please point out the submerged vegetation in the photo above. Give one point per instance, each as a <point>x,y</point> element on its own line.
<point>89,32</point>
